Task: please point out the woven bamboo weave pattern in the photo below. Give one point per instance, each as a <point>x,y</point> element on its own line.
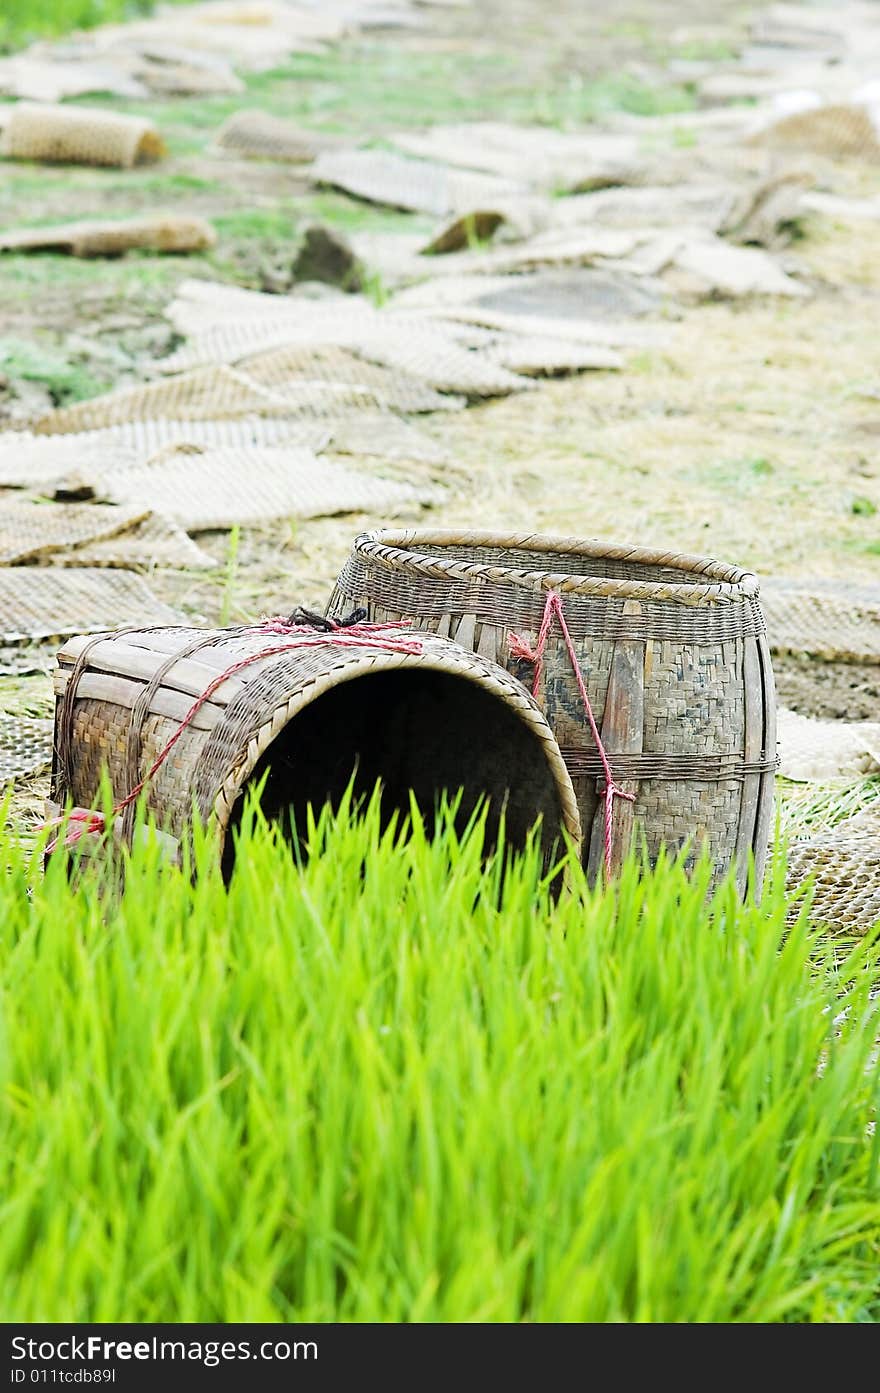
<point>844,873</point>
<point>840,624</point>
<point>154,542</point>
<point>32,530</point>
<point>122,697</point>
<point>283,383</point>
<point>78,135</point>
<point>42,603</point>
<point>219,488</point>
<point>258,135</point>
<point>25,747</point>
<point>414,185</point>
<point>691,626</point>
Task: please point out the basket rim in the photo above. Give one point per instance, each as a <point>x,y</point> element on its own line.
<point>454,661</point>
<point>396,549</point>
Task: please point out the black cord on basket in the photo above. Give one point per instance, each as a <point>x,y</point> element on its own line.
<point>323,622</point>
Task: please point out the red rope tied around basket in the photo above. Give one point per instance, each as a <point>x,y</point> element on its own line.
<point>382,638</point>
<point>520,649</point>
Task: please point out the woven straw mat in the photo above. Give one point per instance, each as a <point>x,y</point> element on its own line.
<point>169,233</point>
<point>154,542</point>
<point>813,750</point>
<point>417,186</point>
<point>555,159</point>
<point>78,135</point>
<point>46,603</point>
<point>257,135</point>
<point>423,351</point>
<point>285,383</point>
<point>838,623</point>
<point>31,461</point>
<point>220,488</point>
<point>25,747</point>
<point>845,870</point>
<point>32,530</point>
<point>836,131</point>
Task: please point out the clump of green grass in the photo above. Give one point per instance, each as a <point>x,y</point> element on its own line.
<point>66,379</point>
<point>399,1084</point>
<point>28,19</point>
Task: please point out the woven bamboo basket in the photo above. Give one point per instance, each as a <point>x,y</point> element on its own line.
<point>674,658</point>
<point>438,720</point>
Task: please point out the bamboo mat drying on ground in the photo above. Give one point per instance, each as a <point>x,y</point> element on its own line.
<point>153,543</point>
<point>424,349</point>
<point>416,186</point>
<point>819,750</point>
<point>258,135</point>
<point>284,383</point>
<point>16,659</point>
<point>170,232</point>
<point>837,623</point>
<point>385,437</point>
<point>78,135</point>
<point>536,356</point>
<point>584,297</point>
<point>220,488</point>
<point>32,461</point>
<point>42,603</point>
<point>556,160</point>
<point>844,868</point>
<point>25,747</point>
<point>34,531</point>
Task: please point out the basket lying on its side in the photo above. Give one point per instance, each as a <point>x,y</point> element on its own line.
<point>428,721</point>
<point>673,655</point>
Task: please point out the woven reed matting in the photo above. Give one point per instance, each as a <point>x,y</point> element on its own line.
<point>29,531</point>
<point>580,293</point>
<point>45,603</point>
<point>385,436</point>
<point>25,747</point>
<point>257,135</point>
<point>543,357</point>
<point>820,750</point>
<point>560,247</point>
<point>287,382</point>
<point>702,265</point>
<point>423,351</point>
<point>17,659</point>
<point>247,329</point>
<point>836,131</point>
<point>417,186</point>
<point>131,442</point>
<point>154,542</point>
<point>695,623</point>
<point>216,754</point>
<point>31,461</point>
<point>41,79</point>
<point>844,868</point>
<point>840,623</point>
<point>220,488</point>
<point>166,233</point>
<point>554,159</point>
<point>78,135</point>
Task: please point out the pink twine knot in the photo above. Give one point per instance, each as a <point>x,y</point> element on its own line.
<point>519,648</point>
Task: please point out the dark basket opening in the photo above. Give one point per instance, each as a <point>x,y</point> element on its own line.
<point>429,732</point>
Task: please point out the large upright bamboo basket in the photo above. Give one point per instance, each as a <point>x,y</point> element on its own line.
<point>308,718</point>
<point>674,656</point>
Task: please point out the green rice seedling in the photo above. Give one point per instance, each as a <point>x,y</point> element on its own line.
<point>399,1081</point>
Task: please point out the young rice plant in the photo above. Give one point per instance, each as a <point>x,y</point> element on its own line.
<point>399,1084</point>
